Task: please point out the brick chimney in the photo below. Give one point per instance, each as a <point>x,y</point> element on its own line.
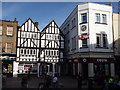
<point>36,24</point>
<point>15,19</point>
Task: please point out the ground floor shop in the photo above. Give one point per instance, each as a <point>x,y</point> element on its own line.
<point>49,69</point>
<point>37,69</point>
<point>24,68</point>
<point>7,65</point>
<point>91,67</point>
<point>117,65</point>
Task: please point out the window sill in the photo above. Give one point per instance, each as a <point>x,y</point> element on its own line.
<point>83,23</point>
<point>101,23</point>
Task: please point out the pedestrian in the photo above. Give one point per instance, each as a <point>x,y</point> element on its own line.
<point>24,82</point>
<point>79,80</point>
<point>48,81</point>
<point>55,81</point>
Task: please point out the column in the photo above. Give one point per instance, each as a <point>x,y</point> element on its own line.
<point>112,69</point>
<point>53,64</point>
<point>59,69</point>
<point>48,70</point>
<point>90,70</point>
<point>38,70</point>
<point>78,68</point>
<point>73,68</point>
<point>15,68</point>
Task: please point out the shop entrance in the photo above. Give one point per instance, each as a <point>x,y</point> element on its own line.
<point>7,68</point>
<point>85,70</point>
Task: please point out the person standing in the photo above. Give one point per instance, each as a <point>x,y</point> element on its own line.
<point>79,80</point>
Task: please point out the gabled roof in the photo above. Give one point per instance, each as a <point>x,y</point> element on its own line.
<point>56,25</point>
<point>31,21</point>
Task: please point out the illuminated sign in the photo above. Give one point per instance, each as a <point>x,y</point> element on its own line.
<point>83,36</point>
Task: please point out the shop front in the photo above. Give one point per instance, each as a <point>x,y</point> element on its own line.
<point>27,68</point>
<point>7,65</point>
<point>91,67</point>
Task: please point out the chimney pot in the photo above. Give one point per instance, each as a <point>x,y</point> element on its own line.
<point>15,19</point>
<point>36,24</point>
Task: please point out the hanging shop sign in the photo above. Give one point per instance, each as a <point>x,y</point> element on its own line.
<point>7,58</point>
<point>86,36</point>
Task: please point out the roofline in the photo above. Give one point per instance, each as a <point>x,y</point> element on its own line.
<point>94,3</point>
<point>69,15</point>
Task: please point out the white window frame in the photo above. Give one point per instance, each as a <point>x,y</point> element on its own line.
<point>10,29</point>
<point>97,17</point>
<point>1,28</point>
<point>104,18</point>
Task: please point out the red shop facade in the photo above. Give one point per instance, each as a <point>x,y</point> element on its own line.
<point>91,67</point>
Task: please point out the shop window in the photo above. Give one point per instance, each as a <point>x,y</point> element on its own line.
<point>101,69</point>
<point>84,18</point>
<point>10,31</point>
<point>0,30</point>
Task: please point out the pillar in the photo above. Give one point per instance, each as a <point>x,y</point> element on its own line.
<point>53,64</point>
<point>90,70</point>
<point>73,68</point>
<point>59,69</point>
<point>112,69</point>
<point>48,70</point>
<point>15,68</point>
<point>38,70</point>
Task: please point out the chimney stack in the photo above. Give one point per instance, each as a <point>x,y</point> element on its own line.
<point>15,19</point>
<point>36,24</point>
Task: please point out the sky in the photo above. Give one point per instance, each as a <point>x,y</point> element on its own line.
<point>41,12</point>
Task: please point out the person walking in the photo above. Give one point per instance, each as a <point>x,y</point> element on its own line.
<point>55,81</point>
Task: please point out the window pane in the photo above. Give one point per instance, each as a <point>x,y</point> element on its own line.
<point>97,17</point>
<point>10,31</point>
<point>84,17</point>
<point>98,40</point>
<point>104,18</point>
<point>0,30</point>
<point>104,40</point>
<point>84,42</point>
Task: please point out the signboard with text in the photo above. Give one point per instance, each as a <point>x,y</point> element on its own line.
<point>86,36</point>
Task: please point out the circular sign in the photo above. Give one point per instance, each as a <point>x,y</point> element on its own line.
<point>84,60</point>
<point>83,27</point>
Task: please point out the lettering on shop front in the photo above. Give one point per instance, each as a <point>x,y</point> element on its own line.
<point>101,60</point>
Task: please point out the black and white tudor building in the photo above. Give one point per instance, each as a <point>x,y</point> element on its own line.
<point>28,45</point>
<point>52,45</point>
<point>40,52</point>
